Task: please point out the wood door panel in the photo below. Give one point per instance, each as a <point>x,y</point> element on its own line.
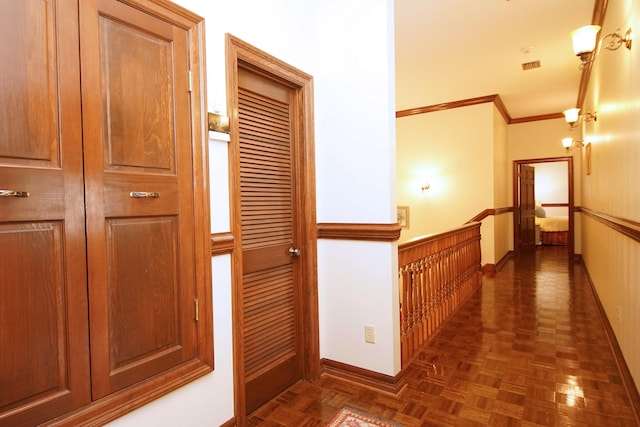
<point>278,377</point>
<point>145,318</point>
<point>271,350</point>
<point>32,313</point>
<point>44,362</point>
<point>143,287</point>
<point>138,99</point>
<point>527,208</point>
<point>271,311</point>
<point>266,257</point>
<point>120,203</point>
<point>46,189</point>
<point>141,250</point>
<point>29,84</point>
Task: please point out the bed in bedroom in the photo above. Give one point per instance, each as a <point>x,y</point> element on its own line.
<point>553,230</point>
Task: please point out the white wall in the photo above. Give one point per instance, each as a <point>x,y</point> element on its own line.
<point>552,186</point>
<point>348,49</point>
<point>502,236</point>
<point>355,293</point>
<point>355,167</point>
<point>453,151</point>
<point>612,187</point>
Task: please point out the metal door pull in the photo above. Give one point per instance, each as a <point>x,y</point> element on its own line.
<point>144,194</point>
<point>11,193</point>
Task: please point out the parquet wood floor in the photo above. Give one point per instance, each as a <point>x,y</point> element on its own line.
<point>528,349</point>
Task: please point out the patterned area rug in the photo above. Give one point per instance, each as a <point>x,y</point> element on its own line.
<point>348,417</point>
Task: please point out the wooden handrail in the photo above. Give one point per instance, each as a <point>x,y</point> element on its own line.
<point>436,274</point>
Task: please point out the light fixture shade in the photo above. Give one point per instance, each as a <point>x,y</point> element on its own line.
<point>584,39</point>
<point>571,115</point>
<point>567,142</point>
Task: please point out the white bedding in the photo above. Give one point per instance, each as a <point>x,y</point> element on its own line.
<point>554,223</point>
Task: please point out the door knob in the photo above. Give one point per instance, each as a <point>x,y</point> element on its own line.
<point>294,251</point>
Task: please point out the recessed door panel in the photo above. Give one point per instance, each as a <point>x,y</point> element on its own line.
<point>29,85</point>
<point>143,288</point>
<point>32,313</point>
<point>138,100</point>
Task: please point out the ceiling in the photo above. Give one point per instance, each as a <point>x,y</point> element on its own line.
<point>452,50</point>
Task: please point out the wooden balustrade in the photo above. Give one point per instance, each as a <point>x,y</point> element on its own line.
<point>437,274</point>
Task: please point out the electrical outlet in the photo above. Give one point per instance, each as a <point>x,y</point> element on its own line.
<point>369,334</point>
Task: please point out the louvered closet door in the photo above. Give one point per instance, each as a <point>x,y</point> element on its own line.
<point>270,289</point>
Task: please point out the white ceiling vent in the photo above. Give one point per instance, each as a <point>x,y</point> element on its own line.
<point>530,65</point>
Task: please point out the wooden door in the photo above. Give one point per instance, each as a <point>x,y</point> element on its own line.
<point>527,208</point>
<point>139,192</point>
<point>270,268</point>
<point>44,362</point>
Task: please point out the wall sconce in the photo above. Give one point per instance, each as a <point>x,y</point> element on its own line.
<point>573,117</point>
<point>584,42</point>
<point>569,144</point>
<point>217,123</point>
<point>425,187</point>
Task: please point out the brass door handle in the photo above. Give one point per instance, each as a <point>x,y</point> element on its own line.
<point>144,194</point>
<point>294,251</point>
<point>12,193</point>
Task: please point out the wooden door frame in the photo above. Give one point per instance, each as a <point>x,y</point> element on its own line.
<point>516,199</point>
<point>240,53</point>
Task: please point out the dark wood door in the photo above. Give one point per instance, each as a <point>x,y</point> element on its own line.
<point>139,193</point>
<point>44,362</point>
<point>527,208</point>
<point>270,286</point>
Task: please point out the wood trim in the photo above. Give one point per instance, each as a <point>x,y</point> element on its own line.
<point>446,106</point>
<point>556,205</point>
<point>489,212</point>
<point>497,101</point>
<point>370,232</point>
<point>202,201</point>
<point>365,377</point>
<point>117,404</point>
<point>488,270</point>
<point>502,109</point>
<point>500,264</point>
<point>625,226</point>
<point>229,423</point>
<point>420,240</point>
<point>222,243</point>
<point>627,379</point>
<point>536,118</point>
<point>239,53</point>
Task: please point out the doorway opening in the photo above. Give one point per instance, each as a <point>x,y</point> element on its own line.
<point>525,204</point>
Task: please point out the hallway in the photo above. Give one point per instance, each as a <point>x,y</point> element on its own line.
<point>529,349</point>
